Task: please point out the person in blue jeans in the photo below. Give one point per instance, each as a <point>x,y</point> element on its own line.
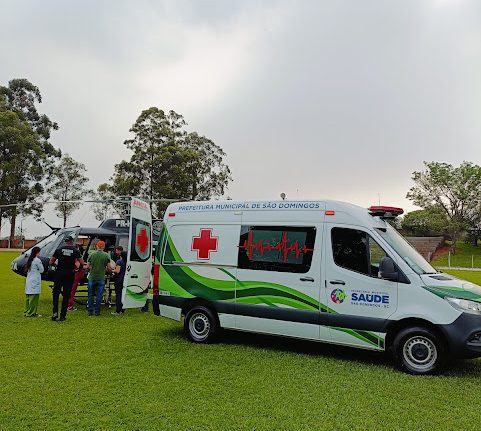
<point>119,275</point>
<point>98,263</point>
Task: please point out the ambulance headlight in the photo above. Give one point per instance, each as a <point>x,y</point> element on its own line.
<point>465,305</point>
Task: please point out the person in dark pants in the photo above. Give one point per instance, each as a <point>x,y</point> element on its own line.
<point>79,275</point>
<point>98,263</point>
<point>119,275</point>
<point>65,256</point>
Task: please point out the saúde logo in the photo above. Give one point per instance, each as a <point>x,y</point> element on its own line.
<point>370,299</point>
<point>338,296</point>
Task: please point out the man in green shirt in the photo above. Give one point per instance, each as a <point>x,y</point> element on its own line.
<point>98,263</point>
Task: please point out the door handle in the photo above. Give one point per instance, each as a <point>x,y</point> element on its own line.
<point>306,279</point>
<point>337,282</point>
<point>134,276</point>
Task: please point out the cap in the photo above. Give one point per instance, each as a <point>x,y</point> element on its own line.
<point>68,238</point>
<point>100,244</point>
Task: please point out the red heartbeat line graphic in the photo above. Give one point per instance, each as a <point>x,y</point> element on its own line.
<point>281,246</point>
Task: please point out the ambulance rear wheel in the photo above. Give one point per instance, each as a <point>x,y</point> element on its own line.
<point>418,351</point>
<point>201,325</point>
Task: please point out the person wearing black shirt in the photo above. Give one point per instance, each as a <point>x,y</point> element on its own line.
<point>65,256</point>
<point>118,278</point>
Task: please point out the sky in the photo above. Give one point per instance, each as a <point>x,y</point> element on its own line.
<point>338,99</point>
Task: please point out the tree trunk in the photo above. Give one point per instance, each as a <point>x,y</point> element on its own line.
<point>64,219</point>
<point>454,238</point>
<point>13,220</point>
<point>194,190</point>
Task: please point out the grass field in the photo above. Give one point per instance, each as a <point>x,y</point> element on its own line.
<point>138,372</point>
<point>466,256</point>
<point>472,276</point>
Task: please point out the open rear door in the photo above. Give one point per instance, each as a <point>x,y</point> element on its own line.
<point>139,255</point>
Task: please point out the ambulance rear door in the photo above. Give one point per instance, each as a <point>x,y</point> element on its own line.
<point>139,256</point>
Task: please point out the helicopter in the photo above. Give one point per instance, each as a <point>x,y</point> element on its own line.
<point>114,232</point>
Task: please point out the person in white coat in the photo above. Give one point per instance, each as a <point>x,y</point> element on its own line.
<point>33,283</point>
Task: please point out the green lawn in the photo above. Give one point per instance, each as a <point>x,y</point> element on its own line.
<point>466,255</point>
<point>472,276</point>
<point>138,372</point>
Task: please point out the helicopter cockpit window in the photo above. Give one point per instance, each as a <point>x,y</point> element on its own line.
<point>92,244</point>
<point>124,242</point>
<point>49,244</point>
<point>82,244</point>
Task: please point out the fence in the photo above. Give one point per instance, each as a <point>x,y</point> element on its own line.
<point>472,262</point>
<point>18,243</point>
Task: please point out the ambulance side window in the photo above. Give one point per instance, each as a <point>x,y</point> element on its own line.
<point>276,248</point>
<point>356,250</point>
<point>376,253</point>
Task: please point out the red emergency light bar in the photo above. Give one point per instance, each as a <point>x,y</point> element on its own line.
<point>385,212</point>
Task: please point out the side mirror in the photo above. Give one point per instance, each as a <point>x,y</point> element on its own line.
<point>387,269</point>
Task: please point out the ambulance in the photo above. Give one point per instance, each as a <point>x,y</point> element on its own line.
<point>324,271</point>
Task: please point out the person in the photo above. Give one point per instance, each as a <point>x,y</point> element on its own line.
<point>119,275</point>
<point>98,262</point>
<point>79,274</point>
<point>65,256</point>
<point>33,283</point>
<point>118,252</point>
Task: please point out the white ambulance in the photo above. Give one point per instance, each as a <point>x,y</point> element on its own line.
<point>319,270</point>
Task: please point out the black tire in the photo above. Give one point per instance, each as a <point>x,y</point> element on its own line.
<point>201,325</point>
<point>418,350</point>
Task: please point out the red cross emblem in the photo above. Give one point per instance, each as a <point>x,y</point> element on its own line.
<point>142,240</point>
<point>204,243</point>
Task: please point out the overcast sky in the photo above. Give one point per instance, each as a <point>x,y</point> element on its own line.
<point>318,99</point>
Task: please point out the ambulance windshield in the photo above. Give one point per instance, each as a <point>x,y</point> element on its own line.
<point>416,262</point>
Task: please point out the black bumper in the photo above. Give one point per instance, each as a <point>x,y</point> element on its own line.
<point>155,305</point>
<point>460,335</point>
<point>172,301</point>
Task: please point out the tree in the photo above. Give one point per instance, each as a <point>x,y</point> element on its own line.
<point>427,222</point>
<point>168,163</point>
<point>3,103</point>
<point>210,175</point>
<point>21,167</point>
<point>20,97</point>
<point>455,191</point>
<point>68,184</point>
<point>105,208</point>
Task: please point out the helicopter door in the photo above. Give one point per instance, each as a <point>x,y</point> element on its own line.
<point>139,256</point>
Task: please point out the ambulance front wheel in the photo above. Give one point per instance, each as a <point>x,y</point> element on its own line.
<point>418,350</point>
<point>201,325</point>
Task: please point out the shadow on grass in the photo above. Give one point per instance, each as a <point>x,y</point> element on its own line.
<point>305,347</point>
<point>455,368</point>
<point>289,345</point>
<point>463,368</point>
